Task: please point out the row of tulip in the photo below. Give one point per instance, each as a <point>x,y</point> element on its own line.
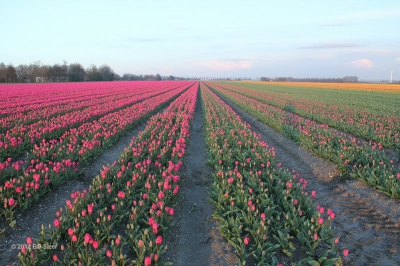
<point>22,137</point>
<point>31,97</point>
<point>54,162</point>
<point>121,219</point>
<point>262,210</point>
<point>52,129</point>
<point>353,158</point>
<point>62,106</point>
<point>372,125</point>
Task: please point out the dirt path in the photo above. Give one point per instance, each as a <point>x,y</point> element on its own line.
<point>194,239</point>
<point>29,223</point>
<point>367,221</point>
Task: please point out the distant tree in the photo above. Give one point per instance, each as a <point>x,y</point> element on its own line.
<point>55,73</point>
<point>157,77</point>
<point>65,68</point>
<point>171,78</point>
<point>3,72</point>
<point>23,73</point>
<point>263,79</point>
<point>127,76</point>
<point>148,77</point>
<point>37,69</point>
<point>350,79</point>
<point>106,72</point>
<point>93,74</point>
<point>76,72</point>
<point>11,76</point>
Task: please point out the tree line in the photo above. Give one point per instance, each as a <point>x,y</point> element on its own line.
<point>38,72</point>
<point>75,72</point>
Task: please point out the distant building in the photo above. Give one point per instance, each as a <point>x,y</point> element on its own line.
<point>60,79</point>
<point>53,79</point>
<point>41,79</point>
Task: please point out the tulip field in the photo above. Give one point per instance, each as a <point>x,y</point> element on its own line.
<point>312,129</point>
<point>267,213</point>
<point>254,198</point>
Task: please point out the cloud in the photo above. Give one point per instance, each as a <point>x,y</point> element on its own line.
<point>233,59</point>
<point>332,45</point>
<point>226,64</point>
<point>362,63</point>
<point>397,59</point>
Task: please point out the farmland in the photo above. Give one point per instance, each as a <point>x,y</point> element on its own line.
<point>276,173</point>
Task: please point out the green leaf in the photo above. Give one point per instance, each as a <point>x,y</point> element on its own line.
<point>287,252</point>
<point>331,262</point>
<point>313,263</point>
<point>353,176</point>
<point>322,259</point>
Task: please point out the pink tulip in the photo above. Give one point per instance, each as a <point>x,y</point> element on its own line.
<point>57,222</point>
<point>108,253</point>
<point>147,261</point>
<point>11,202</point>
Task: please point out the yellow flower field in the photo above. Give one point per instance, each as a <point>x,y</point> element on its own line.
<point>394,88</point>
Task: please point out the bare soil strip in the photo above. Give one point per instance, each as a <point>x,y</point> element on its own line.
<point>194,238</point>
<point>29,223</point>
<point>367,221</point>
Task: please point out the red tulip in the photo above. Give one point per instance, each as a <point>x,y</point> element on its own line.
<point>158,240</point>
<point>147,261</point>
<point>108,253</point>
<point>57,222</point>
<point>11,202</point>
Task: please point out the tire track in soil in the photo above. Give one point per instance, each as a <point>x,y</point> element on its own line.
<point>194,238</point>
<point>29,223</point>
<point>368,222</point>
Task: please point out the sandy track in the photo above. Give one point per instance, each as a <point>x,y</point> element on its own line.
<point>194,238</point>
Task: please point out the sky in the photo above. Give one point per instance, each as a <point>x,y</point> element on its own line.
<point>208,38</point>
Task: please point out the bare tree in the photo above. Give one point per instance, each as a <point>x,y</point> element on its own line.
<point>23,73</point>
<point>3,72</point>
<point>94,74</point>
<point>76,72</point>
<point>11,74</point>
<point>106,72</point>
